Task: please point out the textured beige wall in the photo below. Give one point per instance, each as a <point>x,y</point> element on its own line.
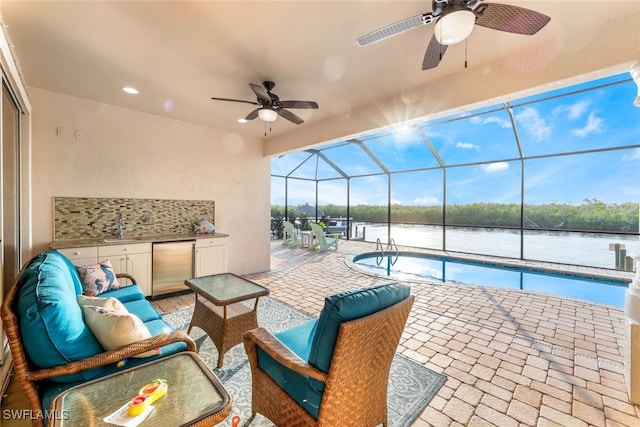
<point>123,153</point>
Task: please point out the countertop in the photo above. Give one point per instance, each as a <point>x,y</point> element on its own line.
<point>109,241</point>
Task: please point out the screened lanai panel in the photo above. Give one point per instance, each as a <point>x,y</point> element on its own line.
<point>477,138</point>
<point>402,150</point>
<point>352,159</point>
<point>301,192</point>
<point>586,192</point>
<point>601,118</point>
<point>284,165</point>
<point>368,202</point>
<point>479,198</point>
<point>314,168</point>
<point>595,195</point>
<point>416,208</point>
<point>332,201</point>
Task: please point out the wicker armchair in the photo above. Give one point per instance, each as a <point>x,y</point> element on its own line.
<point>355,385</point>
<point>30,377</point>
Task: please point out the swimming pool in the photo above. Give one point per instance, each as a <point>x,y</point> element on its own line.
<point>412,266</point>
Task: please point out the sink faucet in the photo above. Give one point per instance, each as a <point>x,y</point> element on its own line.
<point>120,227</point>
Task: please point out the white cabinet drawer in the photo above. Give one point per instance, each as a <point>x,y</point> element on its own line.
<point>213,241</point>
<point>76,253</point>
<point>115,250</point>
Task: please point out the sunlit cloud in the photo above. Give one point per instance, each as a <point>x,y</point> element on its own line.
<point>594,124</point>
<point>467,146</point>
<point>533,124</point>
<point>573,111</point>
<point>426,200</point>
<point>635,155</point>
<point>495,167</point>
<point>503,123</point>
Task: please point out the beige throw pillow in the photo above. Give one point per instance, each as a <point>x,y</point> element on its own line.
<point>115,329</point>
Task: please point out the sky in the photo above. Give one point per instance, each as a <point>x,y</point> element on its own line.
<point>480,154</point>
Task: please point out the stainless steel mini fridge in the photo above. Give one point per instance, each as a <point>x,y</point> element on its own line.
<point>173,263</point>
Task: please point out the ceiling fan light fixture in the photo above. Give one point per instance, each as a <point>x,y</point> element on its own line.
<point>267,115</point>
<point>455,25</point>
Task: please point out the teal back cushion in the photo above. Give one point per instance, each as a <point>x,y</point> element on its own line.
<point>345,306</point>
<point>51,323</point>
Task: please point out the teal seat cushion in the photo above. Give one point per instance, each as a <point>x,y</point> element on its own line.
<point>345,306</point>
<point>125,294</point>
<point>50,319</point>
<point>297,339</point>
<point>143,309</point>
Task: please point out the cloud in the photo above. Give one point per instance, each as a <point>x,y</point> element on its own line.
<point>533,124</point>
<point>503,123</point>
<point>594,125</point>
<point>635,155</point>
<point>467,146</point>
<point>573,111</point>
<point>495,167</point>
<point>426,200</point>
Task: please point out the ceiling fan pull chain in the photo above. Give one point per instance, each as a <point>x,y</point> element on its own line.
<point>465,52</point>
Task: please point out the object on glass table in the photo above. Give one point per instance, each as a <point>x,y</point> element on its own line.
<point>146,396</point>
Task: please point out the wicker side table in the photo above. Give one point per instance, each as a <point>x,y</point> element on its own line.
<point>219,309</point>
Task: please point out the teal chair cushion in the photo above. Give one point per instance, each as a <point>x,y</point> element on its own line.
<point>345,306</point>
<point>50,319</point>
<point>297,339</point>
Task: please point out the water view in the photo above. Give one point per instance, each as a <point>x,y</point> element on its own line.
<point>590,249</point>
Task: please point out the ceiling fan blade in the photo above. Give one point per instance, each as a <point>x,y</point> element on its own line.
<point>260,92</point>
<point>235,100</point>
<point>396,28</point>
<point>299,104</point>
<point>286,114</point>
<point>252,115</point>
<point>512,19</point>
<point>433,55</point>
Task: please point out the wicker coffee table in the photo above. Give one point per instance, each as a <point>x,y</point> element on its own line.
<point>196,397</point>
<point>219,309</point>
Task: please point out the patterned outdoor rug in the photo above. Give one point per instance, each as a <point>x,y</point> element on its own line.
<point>411,386</point>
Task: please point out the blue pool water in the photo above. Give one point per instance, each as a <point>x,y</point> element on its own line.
<point>408,265</point>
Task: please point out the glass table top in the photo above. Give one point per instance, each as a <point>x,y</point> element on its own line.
<point>194,393</point>
<point>226,288</point>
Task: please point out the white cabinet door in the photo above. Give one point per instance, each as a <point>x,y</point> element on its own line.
<point>139,266</point>
<point>133,259</point>
<point>211,256</point>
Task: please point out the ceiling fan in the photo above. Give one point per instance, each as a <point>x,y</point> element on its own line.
<point>270,106</point>
<point>454,21</point>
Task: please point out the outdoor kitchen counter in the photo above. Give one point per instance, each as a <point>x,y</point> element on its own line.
<point>108,241</point>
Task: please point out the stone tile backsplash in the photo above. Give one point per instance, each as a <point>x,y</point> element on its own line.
<point>88,218</point>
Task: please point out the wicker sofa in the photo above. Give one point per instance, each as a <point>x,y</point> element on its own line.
<point>52,347</point>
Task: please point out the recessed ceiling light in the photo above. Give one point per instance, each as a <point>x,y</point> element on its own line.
<point>131,90</point>
<point>242,120</point>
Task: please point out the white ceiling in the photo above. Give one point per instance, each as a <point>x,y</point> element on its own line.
<point>179,54</point>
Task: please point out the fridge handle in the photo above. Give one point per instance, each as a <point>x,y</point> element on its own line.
<point>193,259</point>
